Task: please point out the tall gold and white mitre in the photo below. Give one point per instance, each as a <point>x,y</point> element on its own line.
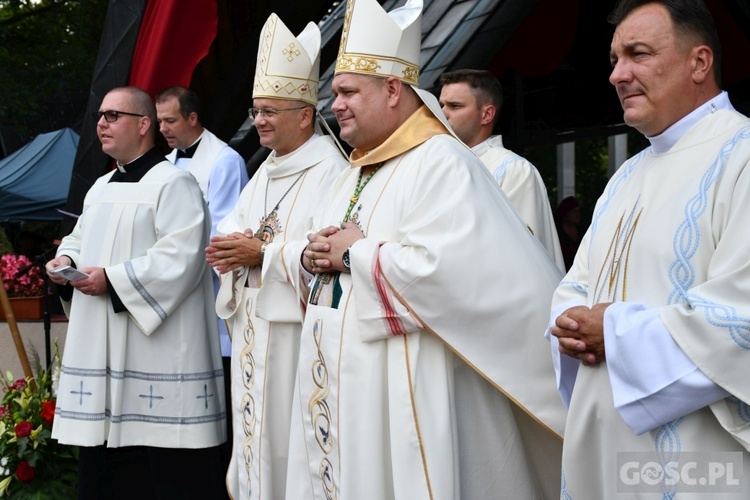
<point>288,67</point>
<point>382,44</point>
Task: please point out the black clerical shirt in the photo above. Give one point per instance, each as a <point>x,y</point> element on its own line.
<point>136,169</point>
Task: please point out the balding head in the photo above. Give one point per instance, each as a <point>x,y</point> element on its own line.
<point>132,132</point>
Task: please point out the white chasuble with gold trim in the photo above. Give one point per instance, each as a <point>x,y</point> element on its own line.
<point>413,368</point>
<point>670,233</point>
<point>264,351</point>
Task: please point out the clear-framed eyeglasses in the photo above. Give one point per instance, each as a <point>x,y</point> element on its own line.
<point>269,113</point>
<point>111,115</point>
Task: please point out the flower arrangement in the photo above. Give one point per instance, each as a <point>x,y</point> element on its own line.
<point>32,464</point>
<point>31,284</point>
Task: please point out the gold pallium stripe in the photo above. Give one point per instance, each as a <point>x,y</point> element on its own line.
<point>617,259</point>
<point>414,414</point>
<point>627,256</point>
<point>615,265</point>
<point>485,377</point>
<point>602,271</point>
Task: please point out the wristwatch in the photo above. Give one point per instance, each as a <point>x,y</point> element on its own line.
<point>345,259</point>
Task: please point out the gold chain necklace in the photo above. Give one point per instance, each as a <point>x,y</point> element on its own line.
<point>358,190</point>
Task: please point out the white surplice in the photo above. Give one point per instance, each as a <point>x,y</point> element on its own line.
<point>668,244</point>
<point>151,375</point>
<point>524,187</point>
<point>264,351</point>
<point>416,368</point>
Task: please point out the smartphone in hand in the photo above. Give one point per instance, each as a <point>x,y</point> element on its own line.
<point>69,273</point>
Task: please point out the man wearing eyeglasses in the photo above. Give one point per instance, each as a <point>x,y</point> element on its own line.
<point>141,386</point>
<point>273,209</point>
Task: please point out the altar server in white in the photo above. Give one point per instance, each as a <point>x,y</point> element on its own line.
<point>221,174</point>
<point>423,371</point>
<point>650,326</point>
<point>220,170</point>
<point>275,207</point>
<point>471,101</point>
<point>141,386</point>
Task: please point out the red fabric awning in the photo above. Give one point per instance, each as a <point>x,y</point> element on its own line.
<point>174,37</point>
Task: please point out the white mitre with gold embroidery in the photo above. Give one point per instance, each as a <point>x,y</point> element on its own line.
<point>380,44</point>
<point>288,67</point>
<point>377,43</point>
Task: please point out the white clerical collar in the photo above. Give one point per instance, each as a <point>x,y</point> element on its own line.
<point>495,141</point>
<point>121,168</point>
<point>663,142</point>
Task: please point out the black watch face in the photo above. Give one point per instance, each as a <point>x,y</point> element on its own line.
<point>345,258</point>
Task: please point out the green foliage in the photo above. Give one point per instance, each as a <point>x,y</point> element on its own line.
<point>592,169</point>
<point>47,53</point>
<point>33,464</point>
<point>592,174</point>
<point>5,246</point>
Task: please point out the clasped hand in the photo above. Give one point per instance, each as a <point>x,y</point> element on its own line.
<point>326,247</point>
<point>580,332</point>
<point>227,253</point>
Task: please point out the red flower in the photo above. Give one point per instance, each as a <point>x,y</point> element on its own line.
<point>25,472</point>
<point>19,385</point>
<point>23,429</point>
<point>48,412</point>
<point>3,411</point>
<point>28,285</point>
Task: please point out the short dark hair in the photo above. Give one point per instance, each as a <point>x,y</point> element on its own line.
<point>691,20</point>
<point>486,88</point>
<point>187,99</point>
<point>142,102</point>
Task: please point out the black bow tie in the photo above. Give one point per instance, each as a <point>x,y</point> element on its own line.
<point>188,153</point>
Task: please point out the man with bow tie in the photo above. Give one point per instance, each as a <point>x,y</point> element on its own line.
<point>220,171</point>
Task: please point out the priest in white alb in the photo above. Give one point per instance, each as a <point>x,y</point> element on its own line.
<point>471,100</point>
<point>275,207</point>
<point>650,326</point>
